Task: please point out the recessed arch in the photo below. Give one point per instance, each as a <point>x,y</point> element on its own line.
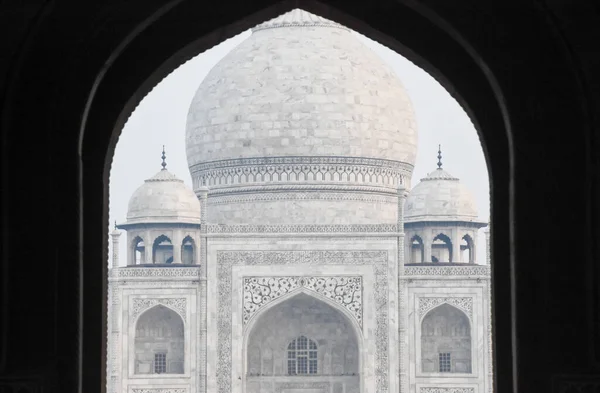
<point>159,342</point>
<point>446,341</point>
<point>441,248</point>
<point>467,249</point>
<point>138,251</point>
<point>309,315</point>
<point>478,93</point>
<point>417,250</point>
<point>188,250</point>
<point>162,250</point>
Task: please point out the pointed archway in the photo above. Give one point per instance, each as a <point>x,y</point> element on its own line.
<point>300,339</point>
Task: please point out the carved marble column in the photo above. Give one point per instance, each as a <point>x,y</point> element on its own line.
<point>114,344</point>
<point>115,234</point>
<point>488,246</point>
<point>202,194</point>
<point>176,241</point>
<point>488,320</point>
<point>427,240</point>
<point>148,243</point>
<point>456,257</point>
<point>402,290</point>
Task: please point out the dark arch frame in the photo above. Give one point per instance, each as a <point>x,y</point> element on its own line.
<point>471,244</point>
<point>446,239</point>
<point>194,249</point>
<point>156,243</point>
<point>418,239</point>
<point>134,250</point>
<point>131,72</point>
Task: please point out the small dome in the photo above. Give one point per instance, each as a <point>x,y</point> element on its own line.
<point>163,199</point>
<point>440,197</point>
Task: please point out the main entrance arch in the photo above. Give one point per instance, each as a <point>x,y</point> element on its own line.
<point>302,340</point>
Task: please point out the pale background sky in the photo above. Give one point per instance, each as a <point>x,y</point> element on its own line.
<point>160,119</point>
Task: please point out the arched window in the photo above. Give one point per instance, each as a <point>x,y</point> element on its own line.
<point>188,251</point>
<point>467,249</point>
<point>302,356</point>
<point>417,250</point>
<point>159,342</point>
<point>162,250</point>
<point>441,249</point>
<point>139,251</point>
<point>446,341</point>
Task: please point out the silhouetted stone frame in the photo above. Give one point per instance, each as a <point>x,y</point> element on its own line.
<point>131,71</point>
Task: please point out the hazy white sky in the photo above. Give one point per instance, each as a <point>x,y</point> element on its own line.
<point>161,117</point>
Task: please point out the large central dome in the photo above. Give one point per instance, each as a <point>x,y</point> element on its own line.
<point>301,99</point>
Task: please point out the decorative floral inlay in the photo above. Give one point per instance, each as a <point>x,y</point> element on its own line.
<point>463,303</point>
<point>350,170</point>
<point>446,390</point>
<point>467,270</point>
<point>346,291</point>
<point>133,272</point>
<point>141,305</point>
<point>366,228</point>
<point>159,390</point>
<point>227,259</point>
<point>311,386</point>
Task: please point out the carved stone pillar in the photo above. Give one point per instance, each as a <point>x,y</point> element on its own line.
<point>177,243</point>
<point>427,240</point>
<point>148,243</point>
<point>202,193</point>
<point>114,345</point>
<point>115,234</point>
<point>455,257</point>
<point>488,246</point>
<point>402,290</point>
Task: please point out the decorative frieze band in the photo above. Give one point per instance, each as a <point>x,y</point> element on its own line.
<point>300,169</point>
<point>466,270</point>
<point>179,305</point>
<point>279,229</point>
<point>465,304</point>
<point>149,272</point>
<point>446,390</point>
<point>302,196</point>
<point>159,390</point>
<point>260,291</point>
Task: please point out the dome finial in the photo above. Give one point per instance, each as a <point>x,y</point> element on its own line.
<point>115,225</point>
<point>439,164</point>
<point>164,157</point>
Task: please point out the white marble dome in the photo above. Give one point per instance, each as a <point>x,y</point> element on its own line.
<point>301,85</point>
<point>301,124</point>
<point>163,198</point>
<point>440,197</point>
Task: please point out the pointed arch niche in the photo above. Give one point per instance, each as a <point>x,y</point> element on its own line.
<point>417,250</point>
<point>162,250</point>
<point>159,342</point>
<point>188,251</point>
<point>446,341</point>
<point>332,338</point>
<point>138,251</point>
<point>441,249</point>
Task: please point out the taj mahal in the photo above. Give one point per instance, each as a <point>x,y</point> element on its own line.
<point>305,259</point>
